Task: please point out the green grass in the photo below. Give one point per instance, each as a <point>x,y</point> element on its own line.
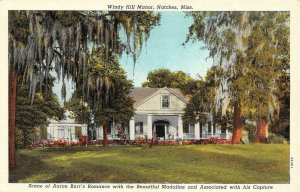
<point>259,163</point>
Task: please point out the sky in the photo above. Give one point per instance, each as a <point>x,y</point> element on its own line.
<point>163,49</point>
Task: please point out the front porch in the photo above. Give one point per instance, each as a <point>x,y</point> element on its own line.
<point>164,127</point>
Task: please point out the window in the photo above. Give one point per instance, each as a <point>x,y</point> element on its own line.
<point>109,129</point>
<point>209,126</point>
<point>43,133</point>
<point>127,129</point>
<point>77,132</point>
<point>139,128</point>
<point>61,133</point>
<point>189,128</point>
<point>185,128</point>
<point>165,101</point>
<point>192,128</point>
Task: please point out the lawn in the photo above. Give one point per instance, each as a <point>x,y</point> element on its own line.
<point>251,163</point>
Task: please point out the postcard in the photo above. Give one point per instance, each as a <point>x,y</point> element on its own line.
<point>149,96</point>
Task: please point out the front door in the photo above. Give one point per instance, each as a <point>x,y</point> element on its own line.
<point>160,131</point>
<point>160,128</point>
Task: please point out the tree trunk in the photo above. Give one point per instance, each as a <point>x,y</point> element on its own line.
<point>12,118</point>
<point>261,130</point>
<point>105,134</point>
<point>237,123</point>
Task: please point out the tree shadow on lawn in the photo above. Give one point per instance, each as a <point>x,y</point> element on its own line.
<point>57,150</point>
<point>28,167</point>
<point>98,173</point>
<point>215,168</point>
<point>238,168</point>
<point>70,167</point>
<point>142,165</point>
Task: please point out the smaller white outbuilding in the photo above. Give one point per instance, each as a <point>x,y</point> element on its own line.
<point>66,129</point>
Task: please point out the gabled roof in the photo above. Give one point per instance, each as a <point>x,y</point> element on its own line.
<point>141,94</point>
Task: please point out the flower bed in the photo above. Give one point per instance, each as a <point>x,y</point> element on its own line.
<point>213,140</point>
<point>83,140</point>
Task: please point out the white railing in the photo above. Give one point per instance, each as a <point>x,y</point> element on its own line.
<point>205,135</point>
<point>188,135</point>
<point>208,135</point>
<point>112,136</point>
<point>222,135</point>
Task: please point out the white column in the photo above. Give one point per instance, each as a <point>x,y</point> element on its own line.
<point>197,130</point>
<point>227,134</point>
<point>205,131</point>
<point>131,129</point>
<point>149,127</point>
<point>101,132</point>
<point>66,128</point>
<point>55,133</point>
<point>84,130</point>
<point>97,133</point>
<point>70,130</point>
<point>166,134</point>
<point>180,127</point>
<point>48,132</point>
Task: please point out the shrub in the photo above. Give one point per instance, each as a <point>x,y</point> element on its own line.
<point>187,142</point>
<point>197,141</point>
<point>20,144</point>
<point>276,139</point>
<point>214,140</point>
<point>83,140</point>
<point>167,142</point>
<point>140,140</point>
<point>60,143</point>
<point>24,137</point>
<point>132,142</point>
<point>31,146</point>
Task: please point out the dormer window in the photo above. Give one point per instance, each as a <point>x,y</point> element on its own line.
<point>165,101</point>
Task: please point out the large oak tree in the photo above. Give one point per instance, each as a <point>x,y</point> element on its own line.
<point>248,47</point>
<point>41,41</point>
<point>160,78</point>
<point>116,106</point>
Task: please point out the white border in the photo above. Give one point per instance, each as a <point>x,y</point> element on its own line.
<point>212,5</point>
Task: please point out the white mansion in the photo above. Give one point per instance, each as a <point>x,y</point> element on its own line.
<point>158,111</point>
